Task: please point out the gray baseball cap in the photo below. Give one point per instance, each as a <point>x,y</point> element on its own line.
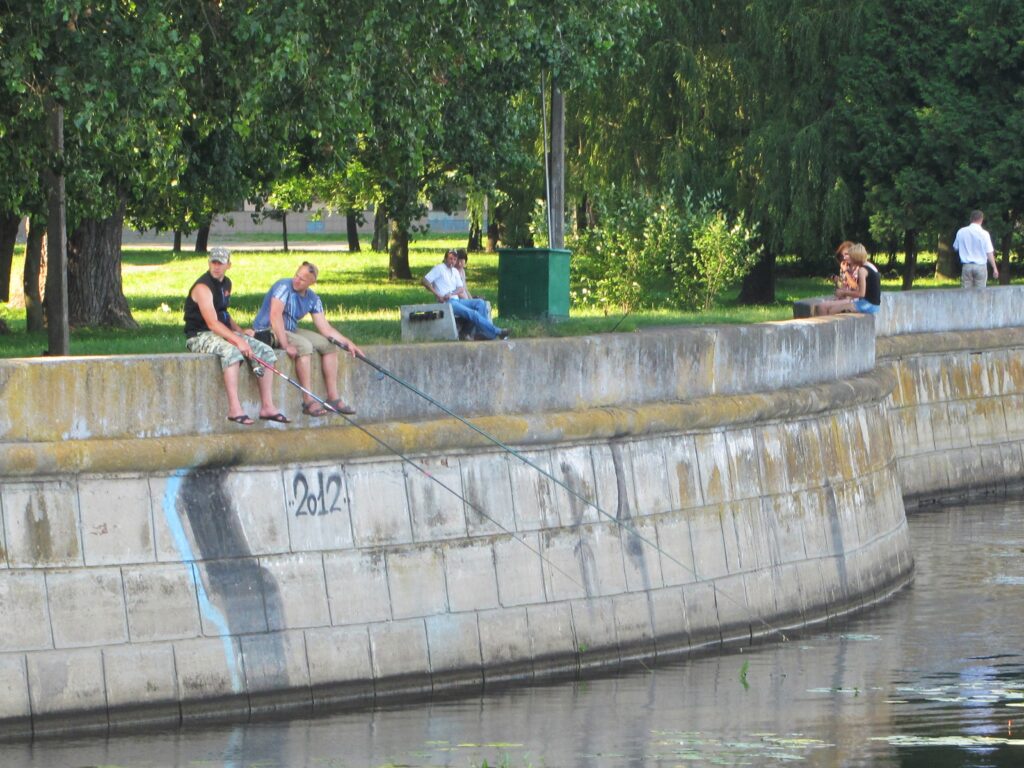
<point>220,254</point>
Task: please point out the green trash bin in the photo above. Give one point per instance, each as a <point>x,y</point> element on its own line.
<point>533,282</point>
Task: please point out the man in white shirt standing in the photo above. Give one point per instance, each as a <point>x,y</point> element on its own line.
<point>975,248</point>
<point>445,282</point>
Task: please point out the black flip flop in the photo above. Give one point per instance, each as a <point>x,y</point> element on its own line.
<point>244,420</point>
<point>280,418</point>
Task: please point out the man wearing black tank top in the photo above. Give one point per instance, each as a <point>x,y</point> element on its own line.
<point>209,328</point>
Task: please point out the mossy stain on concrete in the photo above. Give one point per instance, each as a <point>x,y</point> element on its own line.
<point>687,493</point>
<point>773,466</point>
<point>37,527</point>
<point>715,488</point>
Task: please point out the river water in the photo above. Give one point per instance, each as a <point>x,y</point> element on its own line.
<point>934,678</point>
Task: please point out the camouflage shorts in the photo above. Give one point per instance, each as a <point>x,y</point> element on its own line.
<point>210,342</point>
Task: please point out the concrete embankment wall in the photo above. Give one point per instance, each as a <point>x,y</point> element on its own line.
<point>949,309</point>
<point>159,563</point>
<point>957,412</point>
<point>182,395</point>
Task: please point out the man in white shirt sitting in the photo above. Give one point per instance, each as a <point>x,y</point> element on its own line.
<point>975,248</point>
<point>445,282</point>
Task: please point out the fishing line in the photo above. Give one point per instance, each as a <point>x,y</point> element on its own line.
<point>616,326</point>
<point>509,449</point>
<point>423,470</point>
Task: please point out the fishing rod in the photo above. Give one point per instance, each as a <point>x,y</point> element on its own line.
<point>420,468</point>
<point>496,441</point>
<point>629,528</point>
<point>616,326</point>
<point>301,388</point>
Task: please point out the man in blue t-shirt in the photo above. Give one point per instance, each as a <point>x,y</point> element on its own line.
<point>288,301</point>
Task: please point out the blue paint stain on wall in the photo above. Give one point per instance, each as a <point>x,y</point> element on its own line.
<point>184,548</point>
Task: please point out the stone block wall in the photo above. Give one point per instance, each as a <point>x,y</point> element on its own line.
<point>957,412</point>
<point>938,310</point>
<point>244,589</point>
<point>665,491</point>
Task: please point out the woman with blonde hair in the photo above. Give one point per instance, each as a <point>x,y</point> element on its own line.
<point>866,296</point>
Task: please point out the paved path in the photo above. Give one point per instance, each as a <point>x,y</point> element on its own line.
<point>165,241</point>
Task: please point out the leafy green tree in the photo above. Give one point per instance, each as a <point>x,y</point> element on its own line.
<point>449,97</point>
<point>224,147</point>
<point>292,195</point>
<point>985,64</point>
<point>116,68</point>
<point>671,250</point>
<point>23,150</point>
<point>722,254</point>
<point>934,102</point>
<point>907,179</point>
<point>740,98</point>
<point>276,98</point>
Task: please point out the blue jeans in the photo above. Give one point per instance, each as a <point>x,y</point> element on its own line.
<point>865,306</point>
<point>475,311</point>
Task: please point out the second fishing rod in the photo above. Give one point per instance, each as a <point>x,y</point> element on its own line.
<point>421,469</point>
<point>624,524</point>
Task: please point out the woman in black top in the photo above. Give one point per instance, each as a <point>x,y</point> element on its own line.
<point>866,297</point>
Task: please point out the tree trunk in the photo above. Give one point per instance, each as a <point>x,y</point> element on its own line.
<point>910,265</point>
<point>380,229</point>
<point>556,237</point>
<point>758,287</point>
<point>352,230</point>
<point>177,241</point>
<point>493,234</point>
<point>58,295</point>
<point>9,224</point>
<point>485,221</point>
<point>946,260</point>
<point>203,238</point>
<point>474,242</point>
<point>1004,265</point>
<point>284,229</point>
<point>35,260</point>
<point>398,249</point>
<point>583,214</point>
<point>95,296</point>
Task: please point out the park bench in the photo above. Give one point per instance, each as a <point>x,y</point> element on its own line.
<point>430,322</point>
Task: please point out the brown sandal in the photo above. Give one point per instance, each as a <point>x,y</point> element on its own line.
<point>339,406</point>
<point>314,409</point>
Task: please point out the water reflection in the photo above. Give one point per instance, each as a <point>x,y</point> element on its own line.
<point>934,678</point>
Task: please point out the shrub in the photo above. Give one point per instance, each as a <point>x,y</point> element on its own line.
<point>649,251</point>
<point>720,254</point>
<point>608,260</point>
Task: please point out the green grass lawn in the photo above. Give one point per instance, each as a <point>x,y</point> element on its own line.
<point>358,297</point>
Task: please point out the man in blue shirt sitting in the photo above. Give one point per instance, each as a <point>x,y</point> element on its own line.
<point>287,302</point>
